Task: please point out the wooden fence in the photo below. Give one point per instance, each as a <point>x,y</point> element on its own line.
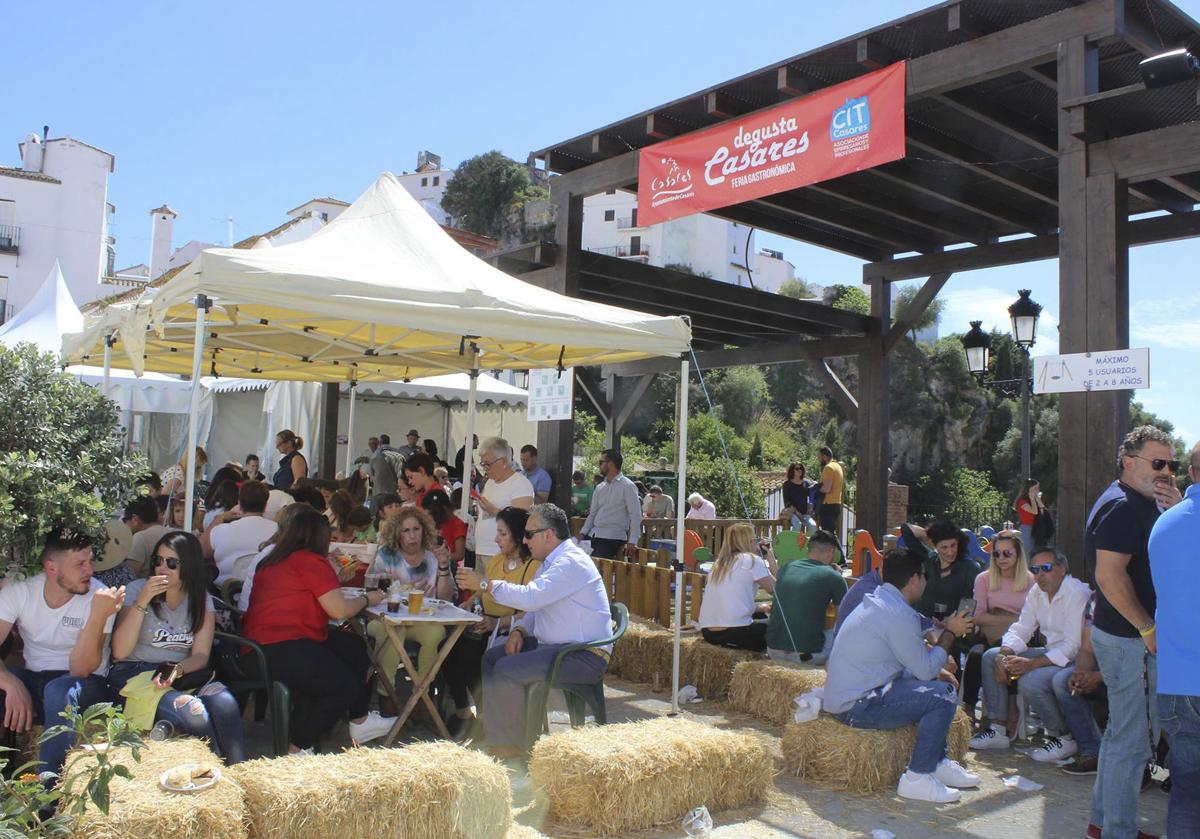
<point>644,586</point>
<point>711,531</point>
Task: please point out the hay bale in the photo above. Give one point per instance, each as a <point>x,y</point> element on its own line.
<point>709,667</point>
<point>642,651</point>
<point>858,759</point>
<point>765,689</point>
<point>615,779</point>
<point>140,807</point>
<point>428,790</point>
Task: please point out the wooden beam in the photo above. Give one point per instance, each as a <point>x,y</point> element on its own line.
<point>1139,36</point>
<point>874,419</point>
<point>790,82</point>
<point>898,174</point>
<point>959,20</point>
<point>761,354</point>
<point>874,55</point>
<point>892,207</point>
<point>1002,52</point>
<point>1147,231</point>
<point>662,127</point>
<point>885,236</point>
<point>970,159</point>
<point>834,385</point>
<point>606,145</point>
<point>602,406</point>
<point>724,106</point>
<point>912,313</point>
<point>779,222</point>
<point>614,173</point>
<point>1148,155</point>
<point>631,400</point>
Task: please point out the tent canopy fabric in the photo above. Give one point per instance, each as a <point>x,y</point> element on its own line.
<point>452,387</point>
<point>150,392</point>
<point>51,314</point>
<point>380,293</point>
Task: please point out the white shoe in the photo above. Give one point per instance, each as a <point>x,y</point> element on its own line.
<point>372,728</point>
<point>992,737</point>
<point>926,788</point>
<point>1056,749</point>
<point>951,773</point>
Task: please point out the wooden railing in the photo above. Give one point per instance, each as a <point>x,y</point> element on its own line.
<point>711,531</point>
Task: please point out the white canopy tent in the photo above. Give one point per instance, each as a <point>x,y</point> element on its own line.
<point>50,314</point>
<point>380,293</point>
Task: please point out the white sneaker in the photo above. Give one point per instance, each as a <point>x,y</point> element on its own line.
<point>951,773</point>
<point>372,728</point>
<point>992,737</point>
<point>1056,749</point>
<point>926,788</point>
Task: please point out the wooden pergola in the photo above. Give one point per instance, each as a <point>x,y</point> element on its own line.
<point>1029,135</point>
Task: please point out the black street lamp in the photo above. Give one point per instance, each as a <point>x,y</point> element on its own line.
<point>977,344</point>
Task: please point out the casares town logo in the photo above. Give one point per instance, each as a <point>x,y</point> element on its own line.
<point>673,186</point>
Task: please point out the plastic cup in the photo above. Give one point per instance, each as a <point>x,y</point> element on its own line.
<point>371,581</point>
<point>415,600</point>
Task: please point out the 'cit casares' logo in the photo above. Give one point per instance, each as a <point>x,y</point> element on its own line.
<point>676,181</point>
<point>850,120</point>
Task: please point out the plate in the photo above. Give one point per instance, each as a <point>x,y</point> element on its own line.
<point>198,786</point>
<point>95,747</point>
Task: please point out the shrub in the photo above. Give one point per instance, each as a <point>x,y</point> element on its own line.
<point>714,479</point>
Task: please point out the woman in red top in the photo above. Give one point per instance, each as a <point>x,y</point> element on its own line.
<point>1027,506</point>
<point>295,594</point>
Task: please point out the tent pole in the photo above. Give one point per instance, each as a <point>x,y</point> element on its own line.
<point>680,516</point>
<point>203,304</point>
<point>468,450</point>
<point>108,345</point>
<point>350,430</point>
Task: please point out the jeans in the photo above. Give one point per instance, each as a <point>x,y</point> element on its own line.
<point>1026,531</point>
<point>1077,714</point>
<point>505,678</point>
<point>1180,717</point>
<point>52,691</point>
<point>1130,674</point>
<point>931,705</point>
<point>1036,687</point>
<point>215,717</point>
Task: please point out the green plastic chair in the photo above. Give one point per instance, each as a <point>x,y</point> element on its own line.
<point>789,547</point>
<point>579,696</point>
<point>703,558</point>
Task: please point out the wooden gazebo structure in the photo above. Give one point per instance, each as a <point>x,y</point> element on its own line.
<point>1029,134</point>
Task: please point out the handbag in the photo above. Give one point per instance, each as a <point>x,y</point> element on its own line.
<point>194,680</point>
<point>1043,529</point>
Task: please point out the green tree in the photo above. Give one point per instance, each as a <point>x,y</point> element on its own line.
<point>755,459</point>
<point>905,298</point>
<point>741,394</point>
<point>848,297</point>
<point>732,487</point>
<point>796,288</point>
<point>62,457</point>
<point>487,191</point>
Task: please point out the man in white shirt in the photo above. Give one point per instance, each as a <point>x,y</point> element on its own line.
<point>1056,606</point>
<point>65,619</point>
<point>505,487</point>
<point>564,603</point>
<point>240,539</point>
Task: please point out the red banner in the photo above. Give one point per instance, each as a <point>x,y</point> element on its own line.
<point>846,128</point>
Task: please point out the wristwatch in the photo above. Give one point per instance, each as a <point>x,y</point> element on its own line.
<point>483,585</point>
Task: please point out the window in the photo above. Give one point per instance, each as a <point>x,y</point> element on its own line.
<point>424,181</point>
<point>610,192</point>
<point>633,218</point>
<point>437,179</point>
<point>110,260</point>
<point>610,215</point>
<point>635,246</point>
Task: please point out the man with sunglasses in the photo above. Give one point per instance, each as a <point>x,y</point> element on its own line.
<point>1056,607</point>
<point>1123,632</point>
<point>1172,560</point>
<point>65,618</point>
<point>564,603</point>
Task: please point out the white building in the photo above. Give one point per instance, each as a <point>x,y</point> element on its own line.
<point>55,206</point>
<point>428,185</point>
<point>699,244</point>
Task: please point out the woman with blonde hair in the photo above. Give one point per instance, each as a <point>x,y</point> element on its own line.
<point>727,611</point>
<point>1000,593</point>
<point>173,477</point>
<point>407,554</point>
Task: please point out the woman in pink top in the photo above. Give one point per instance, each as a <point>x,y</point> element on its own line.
<point>999,595</point>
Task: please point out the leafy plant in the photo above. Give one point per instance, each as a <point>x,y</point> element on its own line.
<point>487,191</point>
<point>732,487</point>
<point>62,457</point>
<point>29,799</point>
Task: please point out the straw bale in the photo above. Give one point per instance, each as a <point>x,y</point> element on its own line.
<point>765,689</point>
<point>642,651</point>
<point>524,831</point>
<point>615,779</point>
<point>859,759</point>
<point>140,807</point>
<point>428,790</point>
<point>709,667</point>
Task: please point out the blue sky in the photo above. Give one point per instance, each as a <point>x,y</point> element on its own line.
<point>249,109</point>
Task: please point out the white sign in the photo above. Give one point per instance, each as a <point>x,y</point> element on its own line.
<point>551,394</point>
<point>1082,371</point>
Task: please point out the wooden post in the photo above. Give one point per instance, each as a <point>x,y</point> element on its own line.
<point>329,422</point>
<point>874,450</point>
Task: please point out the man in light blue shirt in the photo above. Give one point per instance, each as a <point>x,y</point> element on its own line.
<point>564,603</point>
<point>536,475</point>
<point>882,675</point>
<point>1173,544</point>
<point>614,523</point>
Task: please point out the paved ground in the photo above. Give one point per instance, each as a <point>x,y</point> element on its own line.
<point>798,809</point>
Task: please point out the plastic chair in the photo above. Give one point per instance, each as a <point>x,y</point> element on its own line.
<point>790,545</point>
<point>240,681</point>
<point>579,696</point>
<point>691,543</point>
<point>864,554</point>
<point>703,558</point>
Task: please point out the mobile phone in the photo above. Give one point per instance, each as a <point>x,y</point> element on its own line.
<point>475,493</point>
<point>440,541</point>
<point>966,606</point>
<point>163,671</point>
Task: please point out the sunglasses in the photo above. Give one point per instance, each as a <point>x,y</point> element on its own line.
<point>1007,554</point>
<point>529,534</point>
<point>1042,568</point>
<point>1158,463</point>
<point>171,562</point>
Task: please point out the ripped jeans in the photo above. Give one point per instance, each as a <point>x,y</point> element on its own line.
<point>931,705</point>
<point>216,717</point>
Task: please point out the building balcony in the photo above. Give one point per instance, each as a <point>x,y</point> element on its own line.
<point>10,238</point>
<point>623,251</point>
<point>628,222</point>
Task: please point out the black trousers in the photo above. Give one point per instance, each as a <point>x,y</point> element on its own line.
<point>328,681</point>
<point>463,669</point>
<point>608,548</point>
<point>828,517</point>
<point>753,637</point>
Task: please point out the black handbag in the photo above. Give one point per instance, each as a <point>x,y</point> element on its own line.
<point>1043,529</point>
